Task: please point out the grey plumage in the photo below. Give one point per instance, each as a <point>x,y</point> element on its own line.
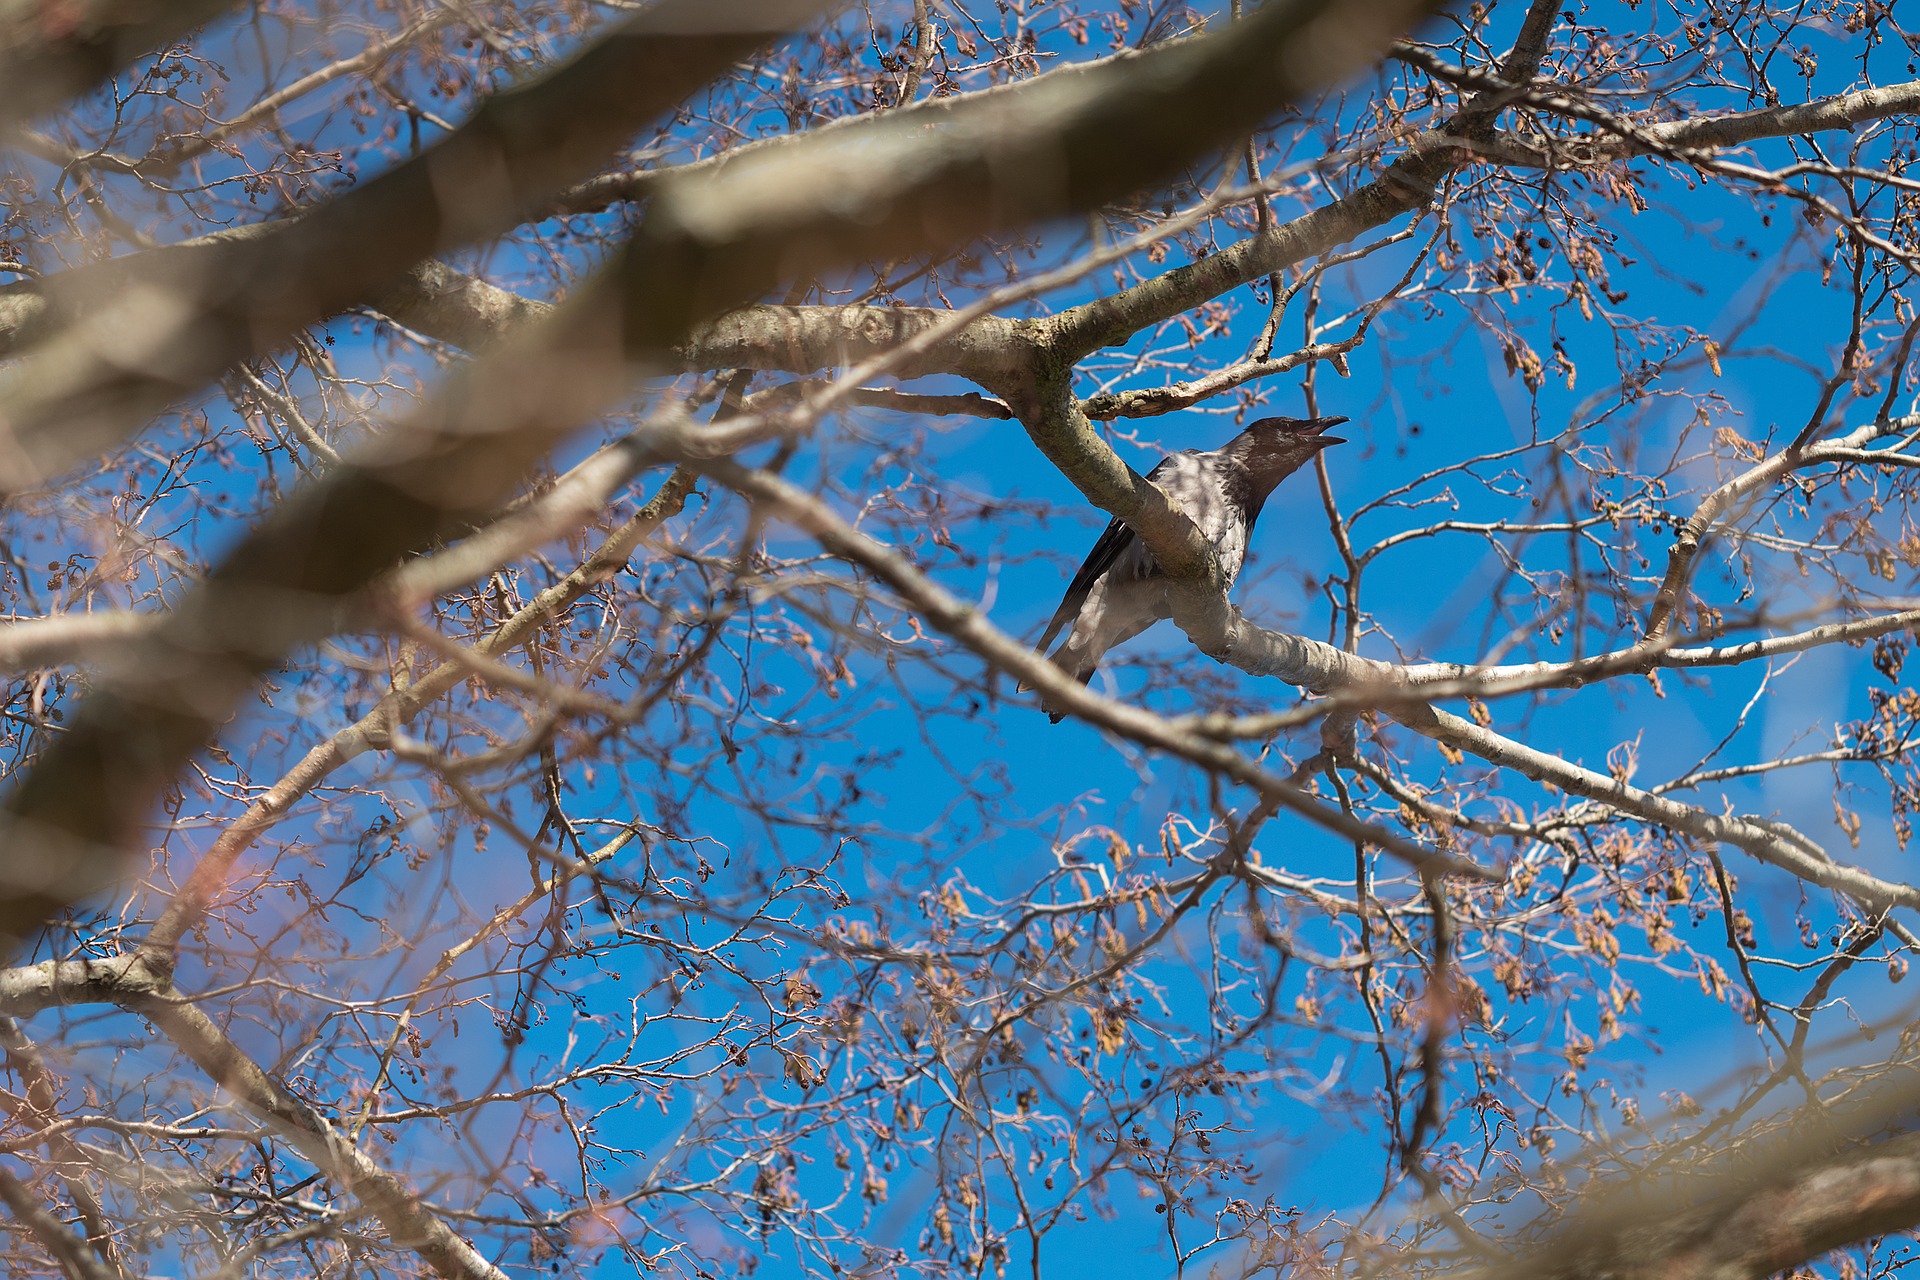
<point>1120,590</point>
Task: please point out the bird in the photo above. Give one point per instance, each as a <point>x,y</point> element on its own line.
<point>1121,590</point>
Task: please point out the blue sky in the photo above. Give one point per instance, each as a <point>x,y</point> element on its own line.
<point>981,792</point>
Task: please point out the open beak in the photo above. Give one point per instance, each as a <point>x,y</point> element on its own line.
<point>1318,425</point>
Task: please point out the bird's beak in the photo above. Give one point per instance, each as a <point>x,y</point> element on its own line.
<point>1318,425</point>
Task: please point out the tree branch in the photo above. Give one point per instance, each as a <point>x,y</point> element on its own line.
<point>139,334</point>
<point>701,251</point>
<point>1009,656</point>
<point>1771,1205</point>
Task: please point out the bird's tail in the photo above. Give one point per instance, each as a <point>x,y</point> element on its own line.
<point>1080,664</point>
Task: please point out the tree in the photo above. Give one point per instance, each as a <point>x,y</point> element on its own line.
<point>522,527</point>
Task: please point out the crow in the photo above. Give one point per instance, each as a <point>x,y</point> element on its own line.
<point>1121,591</point>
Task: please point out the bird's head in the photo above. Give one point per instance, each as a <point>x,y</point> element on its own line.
<point>1273,448</point>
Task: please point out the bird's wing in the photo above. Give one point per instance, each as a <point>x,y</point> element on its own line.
<point>1118,537</point>
<point>1111,546</point>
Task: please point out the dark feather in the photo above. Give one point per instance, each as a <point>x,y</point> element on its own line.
<point>1118,537</point>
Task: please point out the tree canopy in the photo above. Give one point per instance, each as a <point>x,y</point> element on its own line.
<point>522,529</point>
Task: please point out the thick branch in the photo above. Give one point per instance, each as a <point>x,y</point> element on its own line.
<point>1841,112</point>
<point>602,192</point>
<point>1764,1207</point>
<point>144,333</point>
<point>991,351</point>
